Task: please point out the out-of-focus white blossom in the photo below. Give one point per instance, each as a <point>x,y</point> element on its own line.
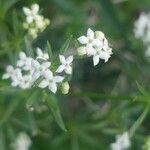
<point>41,54</point>
<point>24,62</point>
<point>35,22</point>
<point>142,27</point>
<point>122,142</point>
<point>23,142</point>
<point>50,81</point>
<point>142,31</point>
<point>95,44</point>
<point>65,64</point>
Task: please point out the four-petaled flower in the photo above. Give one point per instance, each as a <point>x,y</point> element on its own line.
<point>39,69</point>
<point>65,64</point>
<point>31,14</point>
<point>24,62</point>
<point>50,81</point>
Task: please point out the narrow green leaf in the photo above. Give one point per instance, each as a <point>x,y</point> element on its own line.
<point>141,89</point>
<point>52,103</point>
<point>49,51</point>
<point>28,47</point>
<point>65,45</point>
<point>138,122</point>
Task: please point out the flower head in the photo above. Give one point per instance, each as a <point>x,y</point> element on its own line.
<point>95,44</point>
<point>65,64</point>
<point>39,69</point>
<point>50,81</point>
<point>35,22</point>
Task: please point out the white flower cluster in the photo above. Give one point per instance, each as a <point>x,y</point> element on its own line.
<point>96,45</point>
<point>28,70</point>
<point>142,30</point>
<point>35,22</point>
<point>22,142</point>
<point>122,142</point>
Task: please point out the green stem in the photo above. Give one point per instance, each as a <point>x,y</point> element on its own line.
<point>112,97</point>
<point>138,122</point>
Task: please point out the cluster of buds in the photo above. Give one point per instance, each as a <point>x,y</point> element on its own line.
<point>96,45</point>
<point>122,142</point>
<point>35,22</point>
<point>142,30</point>
<point>28,70</point>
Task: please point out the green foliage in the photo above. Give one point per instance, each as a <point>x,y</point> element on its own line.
<point>103,101</point>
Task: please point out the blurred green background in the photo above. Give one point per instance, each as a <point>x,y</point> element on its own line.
<point>104,101</point>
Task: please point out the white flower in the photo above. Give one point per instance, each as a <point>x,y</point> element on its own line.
<point>31,13</point>
<point>22,142</point>
<point>65,64</point>
<point>39,69</point>
<point>96,45</point>
<point>26,82</point>
<point>35,22</point>
<point>50,81</point>
<point>41,54</point>
<point>24,62</point>
<point>122,142</point>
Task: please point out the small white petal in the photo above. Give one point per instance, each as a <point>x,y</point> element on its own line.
<point>35,64</point>
<point>68,70</point>
<point>36,75</point>
<point>26,11</point>
<point>90,50</point>
<point>22,55</point>
<point>83,40</point>
<point>48,75</point>
<point>62,59</point>
<point>20,63</point>
<point>60,68</point>
<point>5,76</point>
<point>43,84</point>
<point>90,34</point>
<point>69,59</point>
<point>9,68</point>
<point>39,52</point>
<point>35,8</point>
<point>97,43</point>
<point>46,64</point>
<point>53,87</point>
<point>29,20</point>
<point>58,79</point>
<point>95,60</point>
<point>100,35</point>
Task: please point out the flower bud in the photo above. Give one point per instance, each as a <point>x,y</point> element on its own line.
<point>65,87</point>
<point>81,50</point>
